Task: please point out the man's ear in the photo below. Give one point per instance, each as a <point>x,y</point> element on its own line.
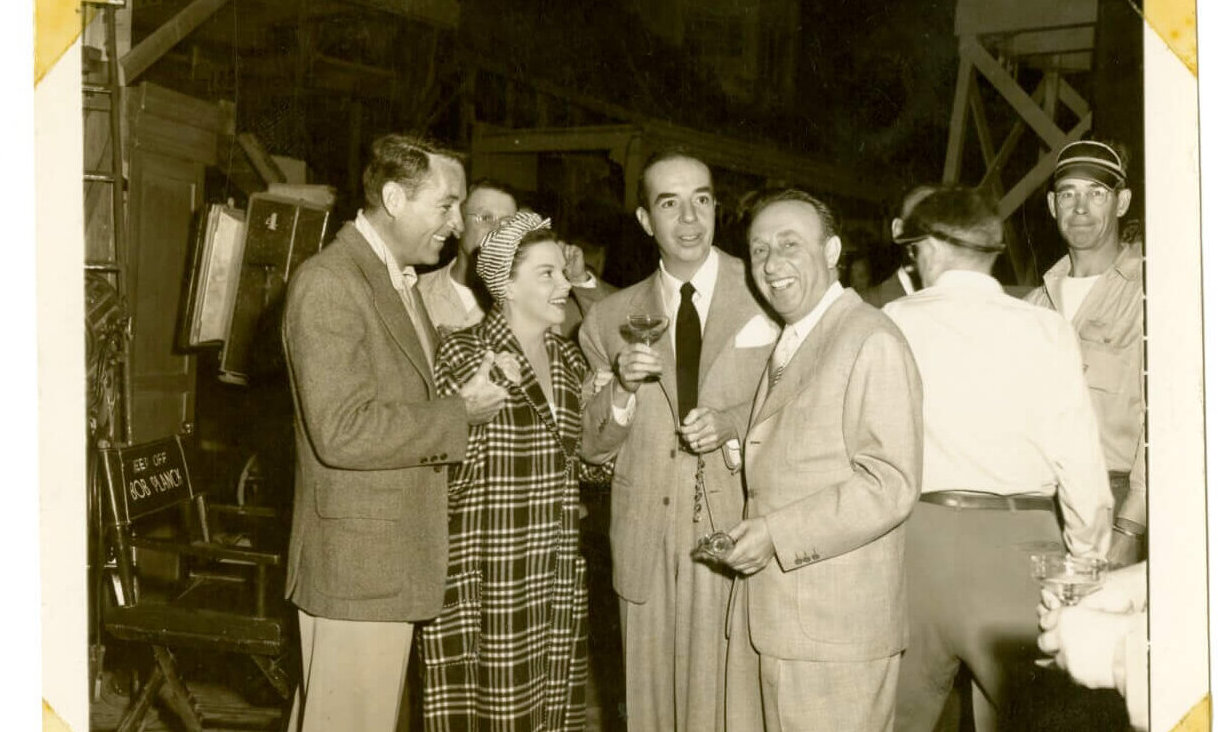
<point>392,198</point>
<point>1124,198</point>
<point>833,250</point>
<point>898,226</point>
<point>1051,197</point>
<point>644,218</point>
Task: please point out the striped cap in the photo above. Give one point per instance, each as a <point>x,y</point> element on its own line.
<point>1090,160</point>
<point>498,249</point>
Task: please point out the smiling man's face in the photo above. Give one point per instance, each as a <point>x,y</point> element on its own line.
<point>791,259</point>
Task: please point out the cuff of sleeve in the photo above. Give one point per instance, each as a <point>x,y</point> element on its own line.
<point>790,544</point>
<point>624,415</point>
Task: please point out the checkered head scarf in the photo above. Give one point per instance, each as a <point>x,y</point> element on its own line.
<point>499,247</point>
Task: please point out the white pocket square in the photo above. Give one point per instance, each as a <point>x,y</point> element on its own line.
<point>760,331</point>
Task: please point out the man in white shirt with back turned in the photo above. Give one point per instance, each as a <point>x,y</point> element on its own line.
<point>1010,439</point>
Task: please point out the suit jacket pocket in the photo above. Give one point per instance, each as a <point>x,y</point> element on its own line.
<point>849,601</point>
<point>364,558</point>
<point>453,636</point>
<point>361,501</point>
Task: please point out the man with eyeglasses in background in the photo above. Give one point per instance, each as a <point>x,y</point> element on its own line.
<point>1098,288</point>
<point>454,297</point>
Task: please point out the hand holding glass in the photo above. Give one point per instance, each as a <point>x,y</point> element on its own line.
<point>1068,577</point>
<point>645,328</point>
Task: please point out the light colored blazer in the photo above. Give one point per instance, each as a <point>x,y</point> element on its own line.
<point>369,534</point>
<point>444,305</point>
<point>833,461</point>
<point>650,466</point>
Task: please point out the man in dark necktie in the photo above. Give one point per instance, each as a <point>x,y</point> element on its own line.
<point>672,414</point>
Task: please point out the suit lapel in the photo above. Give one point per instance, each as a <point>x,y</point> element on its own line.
<point>805,361</point>
<point>727,314</point>
<point>387,303</point>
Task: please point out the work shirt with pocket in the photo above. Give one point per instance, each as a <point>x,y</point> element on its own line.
<point>1109,324</point>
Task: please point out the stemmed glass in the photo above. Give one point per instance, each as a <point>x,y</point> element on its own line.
<point>1068,577</point>
<point>644,327</point>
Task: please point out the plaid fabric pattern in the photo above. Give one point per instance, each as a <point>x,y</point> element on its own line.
<point>509,648</point>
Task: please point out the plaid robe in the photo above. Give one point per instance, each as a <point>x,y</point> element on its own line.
<point>509,648</point>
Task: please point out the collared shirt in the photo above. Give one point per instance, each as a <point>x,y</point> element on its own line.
<point>403,280</point>
<point>794,334</point>
<point>905,280</point>
<point>704,289</point>
<point>466,295</point>
<point>1109,324</point>
<point>1005,407</point>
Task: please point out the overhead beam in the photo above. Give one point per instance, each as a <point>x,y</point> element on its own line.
<point>1031,113</point>
<point>720,150</point>
<point>555,139</point>
<point>138,59</point>
<point>1041,172</point>
<point>1073,100</point>
<point>982,125</point>
<point>956,130</point>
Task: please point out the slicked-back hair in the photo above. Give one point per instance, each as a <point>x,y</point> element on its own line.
<point>664,154</point>
<point>494,184</point>
<point>401,159</point>
<point>828,220</point>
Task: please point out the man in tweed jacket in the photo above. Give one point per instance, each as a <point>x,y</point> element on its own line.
<point>368,547</point>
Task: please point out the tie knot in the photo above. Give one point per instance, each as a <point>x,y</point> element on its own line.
<point>687,291</point>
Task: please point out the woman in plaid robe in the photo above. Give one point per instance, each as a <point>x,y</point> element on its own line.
<point>509,649</point>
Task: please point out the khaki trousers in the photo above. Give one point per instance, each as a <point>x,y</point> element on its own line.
<point>784,695</point>
<point>353,672</point>
<point>675,644</point>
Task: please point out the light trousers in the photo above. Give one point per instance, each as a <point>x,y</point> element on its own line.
<point>353,673</point>
<point>787,695</point>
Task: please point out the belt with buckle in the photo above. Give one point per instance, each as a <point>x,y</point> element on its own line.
<point>960,499</point>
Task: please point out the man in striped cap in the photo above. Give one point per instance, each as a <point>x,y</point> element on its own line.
<point>1098,287</point>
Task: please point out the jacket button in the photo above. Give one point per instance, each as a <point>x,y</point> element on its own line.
<point>438,469</point>
<point>443,456</point>
<point>424,460</point>
<point>664,500</point>
<point>672,453</point>
<point>752,493</point>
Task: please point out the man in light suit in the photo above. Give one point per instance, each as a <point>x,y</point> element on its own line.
<point>672,415</point>
<point>454,297</point>
<point>833,464</point>
<point>369,544</point>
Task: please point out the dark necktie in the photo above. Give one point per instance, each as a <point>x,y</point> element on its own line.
<point>689,351</point>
